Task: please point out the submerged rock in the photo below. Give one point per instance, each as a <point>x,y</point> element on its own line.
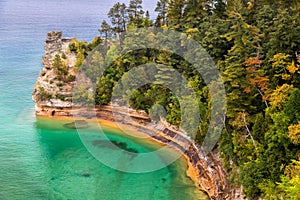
<point>113,144</point>
<point>86,175</point>
<point>77,124</point>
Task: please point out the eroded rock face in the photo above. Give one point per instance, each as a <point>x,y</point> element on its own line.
<point>49,90</point>
<point>53,46</point>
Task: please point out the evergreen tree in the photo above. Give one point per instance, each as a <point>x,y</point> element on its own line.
<point>162,10</point>
<point>175,13</point>
<point>105,32</point>
<point>135,12</point>
<point>60,68</point>
<point>118,17</point>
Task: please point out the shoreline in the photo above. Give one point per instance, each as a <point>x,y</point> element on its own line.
<point>206,171</point>
<point>190,171</point>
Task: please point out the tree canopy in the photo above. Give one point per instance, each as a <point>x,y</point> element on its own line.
<point>256,46</point>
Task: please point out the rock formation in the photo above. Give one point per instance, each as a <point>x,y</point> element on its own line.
<point>50,90</point>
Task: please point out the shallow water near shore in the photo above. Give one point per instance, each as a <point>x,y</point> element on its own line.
<point>75,172</point>
<point>42,159</point>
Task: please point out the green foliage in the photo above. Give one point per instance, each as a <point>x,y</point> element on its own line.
<point>175,14</point>
<point>60,96</point>
<point>105,32</point>
<point>288,187</point>
<point>72,47</point>
<point>82,96</point>
<point>63,56</point>
<point>80,59</point>
<point>70,78</point>
<point>290,182</point>
<point>42,73</point>
<point>82,48</point>
<point>43,95</point>
<point>59,84</point>
<point>251,175</point>
<point>60,68</point>
<point>95,43</point>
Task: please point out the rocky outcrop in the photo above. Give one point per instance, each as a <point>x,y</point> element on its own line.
<point>53,46</point>
<point>49,89</point>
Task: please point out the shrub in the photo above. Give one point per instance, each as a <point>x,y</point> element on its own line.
<point>59,84</point>
<point>43,73</point>
<point>43,95</point>
<point>60,68</point>
<point>63,56</point>
<point>60,96</point>
<point>70,78</point>
<point>72,47</point>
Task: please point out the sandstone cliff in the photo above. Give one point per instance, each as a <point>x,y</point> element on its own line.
<point>50,90</point>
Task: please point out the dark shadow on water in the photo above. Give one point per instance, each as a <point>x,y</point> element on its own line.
<point>77,124</point>
<point>107,144</point>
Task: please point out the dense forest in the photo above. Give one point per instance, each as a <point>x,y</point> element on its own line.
<point>256,47</point>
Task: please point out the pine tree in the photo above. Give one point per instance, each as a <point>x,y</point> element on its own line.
<point>194,11</point>
<point>118,17</point>
<point>162,10</point>
<point>284,36</point>
<point>105,32</point>
<point>175,13</point>
<point>136,13</point>
<point>60,68</point>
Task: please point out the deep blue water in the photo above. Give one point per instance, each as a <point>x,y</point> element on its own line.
<point>40,162</point>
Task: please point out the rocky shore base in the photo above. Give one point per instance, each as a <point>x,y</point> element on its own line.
<point>206,170</point>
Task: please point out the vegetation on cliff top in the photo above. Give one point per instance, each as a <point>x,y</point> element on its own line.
<point>255,45</point>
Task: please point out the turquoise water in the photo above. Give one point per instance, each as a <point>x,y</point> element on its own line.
<point>42,159</point>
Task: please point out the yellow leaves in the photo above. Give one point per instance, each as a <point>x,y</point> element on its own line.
<point>293,169</point>
<point>294,133</point>
<point>250,5</point>
<point>228,37</point>
<point>285,76</point>
<point>245,40</point>
<point>280,60</point>
<point>192,30</point>
<point>284,65</point>
<point>164,26</point>
<point>280,56</point>
<point>280,95</point>
<point>241,120</point>
<point>292,68</point>
<point>289,186</point>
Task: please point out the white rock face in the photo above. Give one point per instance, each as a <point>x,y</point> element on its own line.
<point>58,93</point>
